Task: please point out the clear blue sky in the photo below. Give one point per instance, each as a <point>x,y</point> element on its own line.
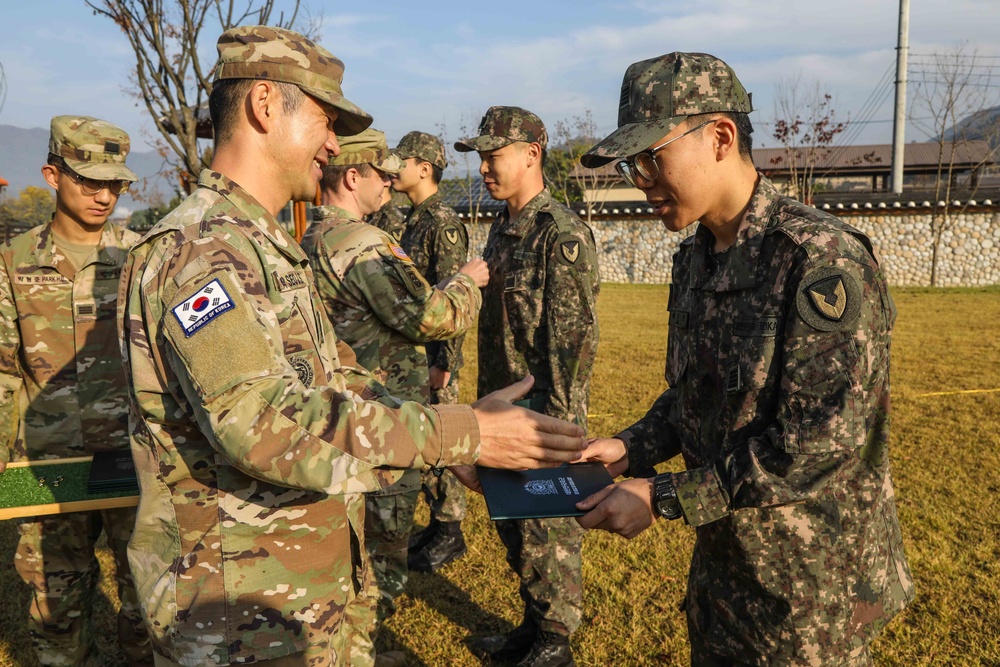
<point>421,65</point>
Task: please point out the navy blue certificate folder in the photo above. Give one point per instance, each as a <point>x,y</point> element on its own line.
<point>540,494</point>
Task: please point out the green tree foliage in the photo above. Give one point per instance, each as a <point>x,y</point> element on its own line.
<point>145,218</point>
<point>34,206</point>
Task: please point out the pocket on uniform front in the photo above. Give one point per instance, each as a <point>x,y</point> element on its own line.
<point>823,403</point>
<point>522,304</point>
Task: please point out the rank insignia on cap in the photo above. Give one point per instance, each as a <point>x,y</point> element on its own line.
<point>829,299</point>
<point>452,235</point>
<point>112,147</point>
<point>202,307</point>
<point>569,251</point>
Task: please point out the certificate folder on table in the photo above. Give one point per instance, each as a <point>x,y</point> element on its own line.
<point>112,471</point>
<point>540,494</point>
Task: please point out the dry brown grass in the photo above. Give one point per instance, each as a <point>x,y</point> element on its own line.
<point>945,456</point>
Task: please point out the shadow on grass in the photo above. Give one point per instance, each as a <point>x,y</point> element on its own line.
<point>451,602</point>
<point>15,597</point>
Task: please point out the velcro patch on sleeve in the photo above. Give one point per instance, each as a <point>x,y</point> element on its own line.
<point>829,299</point>
<point>568,249</point>
<point>451,235</point>
<point>202,307</point>
<point>398,252</point>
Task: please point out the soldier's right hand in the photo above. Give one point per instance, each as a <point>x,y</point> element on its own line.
<point>478,270</point>
<point>516,438</point>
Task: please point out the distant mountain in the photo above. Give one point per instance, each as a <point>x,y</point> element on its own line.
<point>983,124</point>
<point>23,151</point>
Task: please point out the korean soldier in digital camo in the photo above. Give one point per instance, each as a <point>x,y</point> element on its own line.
<point>778,399</point>
<point>538,317</point>
<point>62,390</point>
<point>438,243</point>
<point>389,218</point>
<point>383,308</point>
<point>253,429</point>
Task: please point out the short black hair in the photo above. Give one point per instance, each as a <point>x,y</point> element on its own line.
<point>744,128</point>
<point>333,174</point>
<point>436,173</point>
<point>227,99</point>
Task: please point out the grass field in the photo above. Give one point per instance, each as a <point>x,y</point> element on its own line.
<point>946,466</point>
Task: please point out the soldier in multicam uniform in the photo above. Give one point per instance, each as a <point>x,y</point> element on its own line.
<point>438,243</point>
<point>62,390</point>
<point>778,399</point>
<point>389,218</point>
<point>538,317</point>
<point>253,430</point>
<point>383,308</point>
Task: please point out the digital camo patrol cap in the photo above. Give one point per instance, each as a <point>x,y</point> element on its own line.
<point>505,125</point>
<point>276,54</point>
<point>659,93</point>
<point>91,147</point>
<point>368,147</point>
<point>421,145</point>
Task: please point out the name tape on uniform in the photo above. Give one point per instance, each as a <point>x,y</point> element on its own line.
<point>202,307</point>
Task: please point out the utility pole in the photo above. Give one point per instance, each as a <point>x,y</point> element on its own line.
<point>899,120</point>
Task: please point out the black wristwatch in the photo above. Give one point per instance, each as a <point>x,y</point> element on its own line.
<point>665,497</point>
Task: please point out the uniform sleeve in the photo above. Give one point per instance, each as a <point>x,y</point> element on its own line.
<point>400,297</point>
<point>833,400</point>
<point>11,382</point>
<point>450,252</point>
<point>250,401</point>
<point>570,295</point>
<point>652,439</point>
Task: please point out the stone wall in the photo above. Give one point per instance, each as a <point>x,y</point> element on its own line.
<point>639,250</point>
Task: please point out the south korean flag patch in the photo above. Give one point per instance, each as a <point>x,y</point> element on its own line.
<point>202,307</point>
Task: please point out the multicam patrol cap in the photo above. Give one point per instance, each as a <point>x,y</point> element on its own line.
<point>421,145</point>
<point>91,147</point>
<point>658,94</point>
<point>276,54</point>
<point>368,147</point>
<point>505,125</point>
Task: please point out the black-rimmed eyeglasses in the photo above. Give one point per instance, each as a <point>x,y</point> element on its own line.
<point>644,163</point>
<point>92,186</point>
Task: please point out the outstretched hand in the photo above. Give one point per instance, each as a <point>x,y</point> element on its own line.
<point>609,451</point>
<point>625,508</point>
<point>517,439</point>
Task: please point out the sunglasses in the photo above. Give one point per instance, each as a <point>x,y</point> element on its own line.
<point>644,163</point>
<point>92,186</point>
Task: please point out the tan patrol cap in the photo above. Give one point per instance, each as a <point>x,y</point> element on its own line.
<point>276,54</point>
<point>91,147</point>
<point>368,147</point>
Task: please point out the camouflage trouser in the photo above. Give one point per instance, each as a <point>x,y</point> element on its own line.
<point>703,656</point>
<point>55,556</point>
<point>388,524</point>
<point>444,493</point>
<point>545,554</point>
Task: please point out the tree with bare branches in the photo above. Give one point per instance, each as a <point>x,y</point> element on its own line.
<point>468,182</point>
<point>805,125</point>
<point>951,89</point>
<point>173,76</point>
<point>567,178</point>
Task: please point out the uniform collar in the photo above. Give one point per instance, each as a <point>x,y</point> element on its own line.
<point>110,249</point>
<point>253,212</point>
<point>333,214</point>
<point>738,265</point>
<point>423,206</point>
<point>526,220</point>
